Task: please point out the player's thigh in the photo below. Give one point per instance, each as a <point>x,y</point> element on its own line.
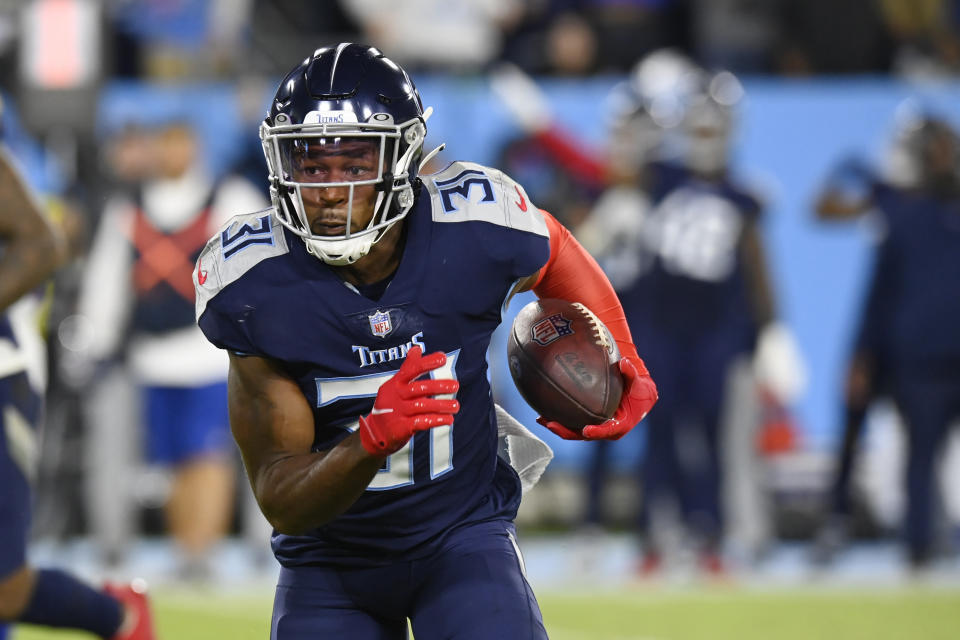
<point>323,610</point>
<point>14,516</point>
<point>14,525</point>
<point>15,591</point>
<point>478,590</point>
<point>17,440</point>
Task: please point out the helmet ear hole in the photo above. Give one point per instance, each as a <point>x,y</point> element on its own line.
<point>414,134</point>
<point>405,197</point>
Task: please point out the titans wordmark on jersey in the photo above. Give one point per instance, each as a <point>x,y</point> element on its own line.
<point>471,236</point>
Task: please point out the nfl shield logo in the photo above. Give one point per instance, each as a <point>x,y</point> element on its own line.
<point>550,329</point>
<point>380,323</point>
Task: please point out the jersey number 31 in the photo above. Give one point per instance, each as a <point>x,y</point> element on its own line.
<point>398,469</point>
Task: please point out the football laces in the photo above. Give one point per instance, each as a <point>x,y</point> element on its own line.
<point>600,333</point>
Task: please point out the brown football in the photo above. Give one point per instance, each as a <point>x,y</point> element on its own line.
<point>564,363</point>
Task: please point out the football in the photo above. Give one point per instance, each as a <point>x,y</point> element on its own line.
<point>564,363</point>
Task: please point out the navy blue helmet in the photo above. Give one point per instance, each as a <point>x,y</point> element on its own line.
<point>346,93</point>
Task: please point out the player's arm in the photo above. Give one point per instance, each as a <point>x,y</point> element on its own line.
<point>31,247</point>
<point>297,488</point>
<point>832,205</point>
<point>777,362</point>
<point>572,274</point>
<point>847,192</point>
<point>758,278</point>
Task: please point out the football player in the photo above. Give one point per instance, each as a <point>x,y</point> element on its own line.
<point>690,270</point>
<point>918,212</point>
<point>357,312</point>
<point>30,250</point>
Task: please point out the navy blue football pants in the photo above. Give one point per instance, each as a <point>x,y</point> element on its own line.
<point>929,402</point>
<point>474,587</point>
<point>681,463</point>
<point>16,399</point>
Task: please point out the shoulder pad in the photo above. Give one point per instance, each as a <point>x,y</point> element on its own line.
<point>466,191</point>
<point>241,243</point>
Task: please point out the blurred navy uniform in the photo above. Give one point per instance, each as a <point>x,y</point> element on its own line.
<point>692,317</point>
<point>680,241</point>
<point>20,403</point>
<point>908,346</point>
<point>30,250</point>
<point>918,281</point>
<point>22,378</point>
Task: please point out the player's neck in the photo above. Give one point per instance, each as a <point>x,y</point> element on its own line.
<point>380,263</point>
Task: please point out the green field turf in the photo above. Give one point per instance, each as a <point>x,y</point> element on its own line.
<point>635,614</point>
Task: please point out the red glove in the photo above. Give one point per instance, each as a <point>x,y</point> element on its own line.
<point>639,396</point>
<point>404,405</point>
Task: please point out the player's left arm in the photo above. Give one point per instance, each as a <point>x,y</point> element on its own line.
<point>754,260</point>
<point>32,247</point>
<point>572,274</point>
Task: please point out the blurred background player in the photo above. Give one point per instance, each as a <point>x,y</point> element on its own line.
<point>30,249</point>
<point>907,346</point>
<point>847,194</point>
<point>137,296</point>
<point>612,230</point>
<point>681,242</point>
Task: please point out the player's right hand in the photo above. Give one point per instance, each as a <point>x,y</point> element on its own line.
<point>405,405</point>
<point>639,396</point>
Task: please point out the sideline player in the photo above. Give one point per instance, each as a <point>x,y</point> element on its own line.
<point>30,250</point>
<point>680,239</point>
<point>384,487</point>
<point>909,296</point>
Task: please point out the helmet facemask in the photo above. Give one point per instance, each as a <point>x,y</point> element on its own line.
<point>384,152</point>
<point>707,127</point>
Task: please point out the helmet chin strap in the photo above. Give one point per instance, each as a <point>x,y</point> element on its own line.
<point>339,253</point>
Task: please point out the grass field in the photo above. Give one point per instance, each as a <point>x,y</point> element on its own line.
<point>637,614</point>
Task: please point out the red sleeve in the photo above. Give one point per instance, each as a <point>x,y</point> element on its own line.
<point>572,274</point>
<point>572,157</point>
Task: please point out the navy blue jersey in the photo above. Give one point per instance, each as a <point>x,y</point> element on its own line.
<point>14,359</point>
<point>6,330</point>
<point>471,235</point>
<point>693,283</point>
<point>7,339</point>
<point>914,307</point>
